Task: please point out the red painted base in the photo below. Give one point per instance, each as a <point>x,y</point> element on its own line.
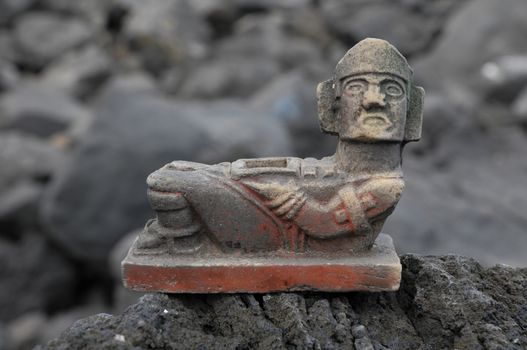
<point>377,270</point>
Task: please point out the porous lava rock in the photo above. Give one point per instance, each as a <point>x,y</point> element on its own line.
<point>444,302</point>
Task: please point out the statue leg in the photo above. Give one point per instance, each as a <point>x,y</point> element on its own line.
<point>175,226</point>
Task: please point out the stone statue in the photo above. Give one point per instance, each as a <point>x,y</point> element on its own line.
<point>284,223</point>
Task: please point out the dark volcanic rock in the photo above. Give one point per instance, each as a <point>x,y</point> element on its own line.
<point>27,164</point>
<point>164,34</point>
<point>291,99</point>
<point>40,111</point>
<point>461,199</point>
<point>234,76</point>
<point>34,276</point>
<point>8,75</point>
<point>41,37</point>
<point>410,25</point>
<point>505,77</point>
<point>444,302</point>
<point>489,29</point>
<point>409,31</point>
<point>79,73</point>
<point>11,8</point>
<point>25,158</point>
<point>93,11</point>
<point>520,105</point>
<point>267,36</point>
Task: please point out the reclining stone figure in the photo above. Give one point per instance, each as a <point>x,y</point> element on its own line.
<point>336,203</point>
<point>286,206</point>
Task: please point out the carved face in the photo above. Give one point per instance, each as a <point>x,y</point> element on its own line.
<point>372,108</point>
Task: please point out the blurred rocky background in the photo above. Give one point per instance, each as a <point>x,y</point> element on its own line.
<point>96,94</point>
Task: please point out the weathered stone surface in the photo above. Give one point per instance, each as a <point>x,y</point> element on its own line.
<point>289,98</point>
<point>26,158</point>
<point>505,77</point>
<point>281,45</point>
<point>238,77</point>
<point>489,29</point>
<point>267,5</point>
<point>5,343</point>
<point>79,73</point>
<point>409,31</point>
<point>41,37</point>
<point>8,75</point>
<point>520,105</point>
<point>408,24</point>
<point>20,202</point>
<point>40,111</point>
<point>7,51</point>
<point>165,34</point>
<point>12,8</point>
<point>34,276</point>
<point>27,165</point>
<point>94,11</point>
<point>444,302</point>
<point>24,331</point>
<point>458,201</point>
<point>165,130</point>
<point>36,327</point>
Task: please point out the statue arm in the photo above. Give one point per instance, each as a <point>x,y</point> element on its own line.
<point>351,210</point>
<point>343,214</point>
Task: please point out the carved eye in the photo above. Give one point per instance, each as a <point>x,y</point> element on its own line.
<point>355,87</point>
<point>393,89</point>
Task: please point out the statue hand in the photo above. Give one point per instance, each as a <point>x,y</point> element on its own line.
<point>285,201</point>
<point>379,196</point>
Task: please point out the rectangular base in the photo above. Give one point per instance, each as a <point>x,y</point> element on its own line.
<point>376,270</point>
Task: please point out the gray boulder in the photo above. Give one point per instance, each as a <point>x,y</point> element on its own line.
<point>409,31</point>
<point>444,302</point>
<point>25,158</point>
<point>504,78</point>
<point>8,75</point>
<point>19,204</point>
<point>489,29</point>
<point>101,196</point>
<point>519,106</point>
<point>11,8</point>
<point>27,166</point>
<point>94,11</point>
<point>410,25</point>
<point>79,73</point>
<point>24,331</point>
<point>164,33</point>
<point>7,49</point>
<point>268,36</point>
<point>291,99</point>
<point>228,77</point>
<point>37,110</point>
<point>34,277</point>
<point>469,198</point>
<point>41,37</point>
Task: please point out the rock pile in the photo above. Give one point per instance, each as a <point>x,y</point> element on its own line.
<point>445,302</point>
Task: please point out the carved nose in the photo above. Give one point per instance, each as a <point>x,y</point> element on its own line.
<point>373,97</point>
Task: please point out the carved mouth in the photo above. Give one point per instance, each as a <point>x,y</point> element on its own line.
<point>375,120</point>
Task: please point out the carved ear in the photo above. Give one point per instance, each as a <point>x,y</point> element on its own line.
<point>414,118</point>
<point>326,101</point>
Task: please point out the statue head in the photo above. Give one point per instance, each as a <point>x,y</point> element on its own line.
<point>371,97</point>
